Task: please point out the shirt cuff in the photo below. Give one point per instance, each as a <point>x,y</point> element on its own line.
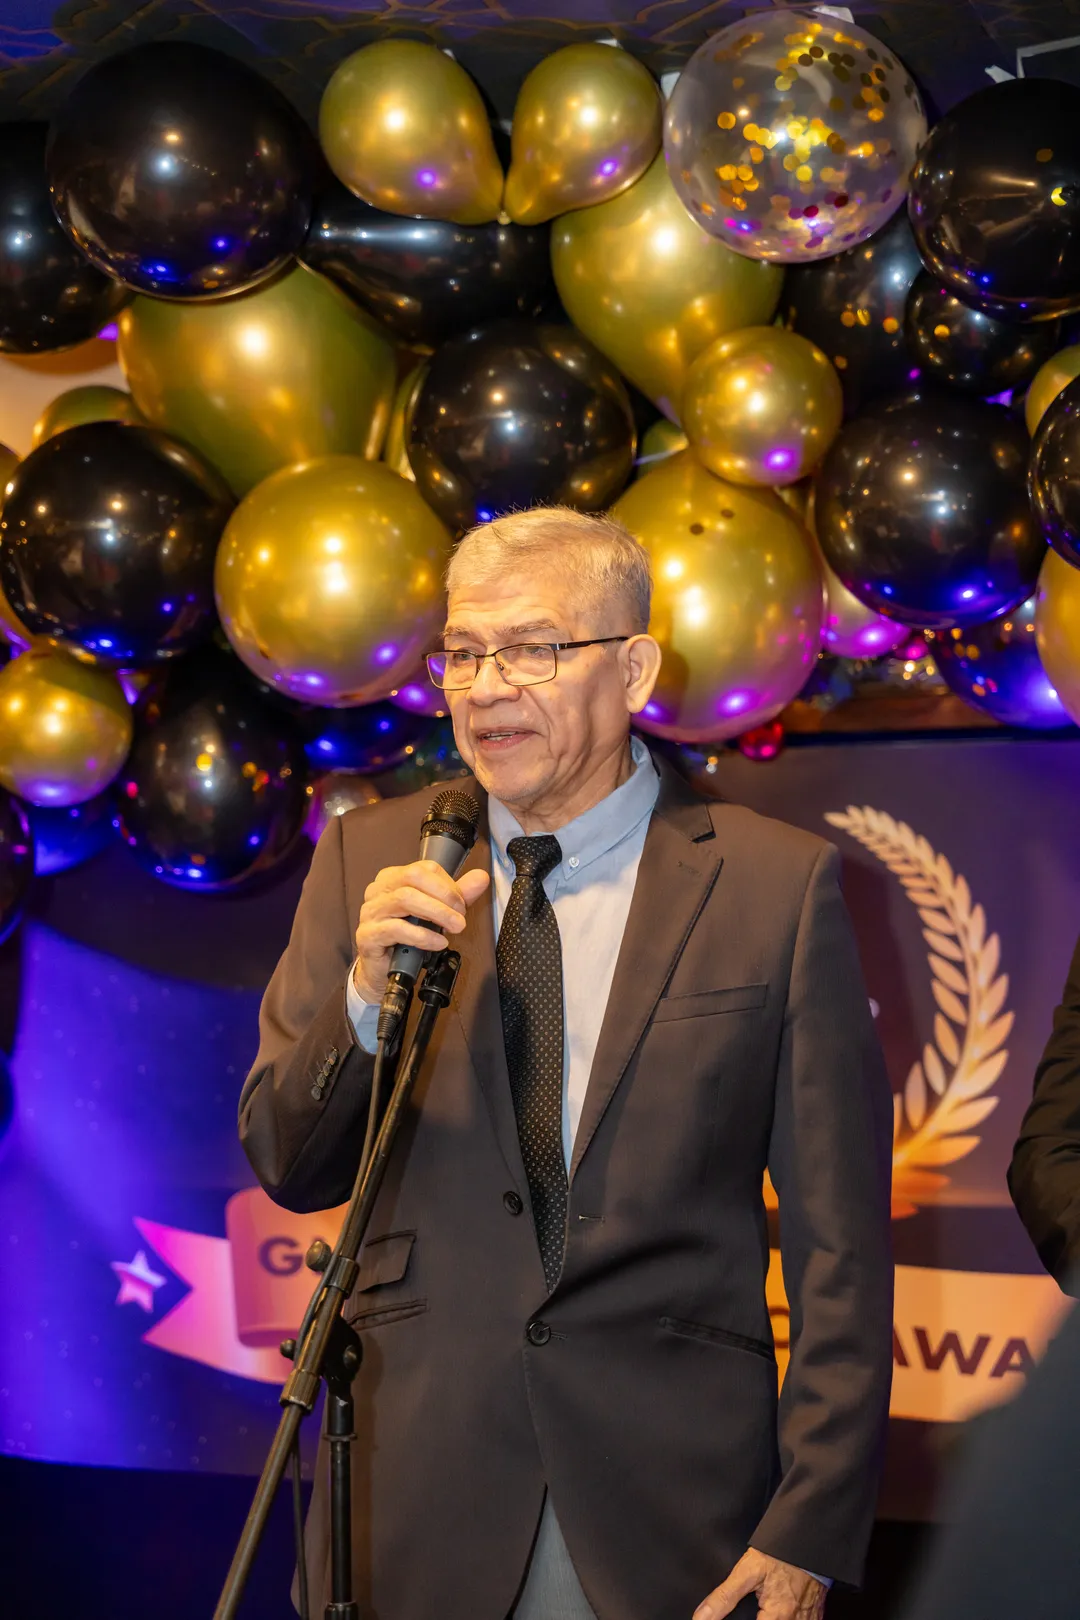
<point>822,1580</point>
<point>363,1016</point>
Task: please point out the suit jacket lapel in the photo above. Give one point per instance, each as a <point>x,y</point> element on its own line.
<point>679,865</point>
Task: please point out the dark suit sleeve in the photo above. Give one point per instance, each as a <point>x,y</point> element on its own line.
<point>830,1160</point>
<point>303,1108</point>
<point>1044,1177</point>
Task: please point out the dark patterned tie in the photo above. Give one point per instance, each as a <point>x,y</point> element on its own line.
<point>529,960</point>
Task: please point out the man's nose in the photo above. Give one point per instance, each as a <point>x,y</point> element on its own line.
<point>490,687</point>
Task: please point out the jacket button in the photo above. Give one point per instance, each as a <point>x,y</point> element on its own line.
<point>512,1203</point>
<point>538,1333</point>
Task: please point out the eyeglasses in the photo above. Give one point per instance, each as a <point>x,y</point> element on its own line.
<point>453,669</point>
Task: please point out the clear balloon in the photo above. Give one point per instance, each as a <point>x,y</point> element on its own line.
<point>1048,382</point>
<point>280,375</point>
<point>93,403</point>
<point>1053,473</point>
<point>65,837</point>
<point>588,121</point>
<point>335,795</point>
<point>65,727</point>
<point>16,875</point>
<point>791,136</point>
<point>955,344</point>
<point>180,171</point>
<point>737,600</point>
<point>996,668</point>
<point>329,580</point>
<point>762,406</point>
<point>403,125</point>
<point>652,289</point>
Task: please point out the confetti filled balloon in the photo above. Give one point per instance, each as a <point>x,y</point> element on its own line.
<point>65,727</point>
<point>1053,473</point>
<point>761,406</point>
<point>403,125</point>
<point>373,738</point>
<point>852,306</point>
<point>16,873</point>
<point>996,668</point>
<point>652,289</point>
<point>1048,382</point>
<point>335,795</point>
<point>736,604</point>
<point>791,136</point>
<point>180,171</point>
<point>588,121</point>
<point>65,837</point>
<point>955,344</point>
<point>329,580</point>
<point>922,510</point>
<point>93,403</point>
<point>291,371</point>
<point>995,199</point>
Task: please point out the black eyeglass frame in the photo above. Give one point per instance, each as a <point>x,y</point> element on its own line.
<point>554,647</point>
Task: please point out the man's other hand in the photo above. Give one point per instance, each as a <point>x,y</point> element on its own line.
<point>421,890</point>
<point>783,1591</point>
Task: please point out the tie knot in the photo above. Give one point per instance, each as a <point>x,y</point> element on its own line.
<point>535,857</point>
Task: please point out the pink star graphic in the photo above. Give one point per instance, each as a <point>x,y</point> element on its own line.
<point>138,1281</point>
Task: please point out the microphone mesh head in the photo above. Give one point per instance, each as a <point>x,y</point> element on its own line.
<point>456,805</point>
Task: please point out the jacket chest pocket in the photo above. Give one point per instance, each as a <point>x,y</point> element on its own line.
<point>383,1262</point>
<point>703,1003</point>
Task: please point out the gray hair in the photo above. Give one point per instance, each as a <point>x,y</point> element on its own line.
<point>609,563</point>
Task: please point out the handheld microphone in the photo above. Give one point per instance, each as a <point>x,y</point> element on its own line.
<point>447,835</point>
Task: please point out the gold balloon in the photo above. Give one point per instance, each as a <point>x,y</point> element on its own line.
<point>406,129</point>
<point>329,580</point>
<point>65,727</point>
<point>262,380</point>
<point>395,451</point>
<point>1057,629</point>
<point>651,288</point>
<point>762,406</point>
<point>659,441</point>
<point>588,121</point>
<point>736,600</point>
<point>1048,382</point>
<point>94,403</point>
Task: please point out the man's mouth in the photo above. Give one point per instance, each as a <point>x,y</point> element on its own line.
<point>498,737</point>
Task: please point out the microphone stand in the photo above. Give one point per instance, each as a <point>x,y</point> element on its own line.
<point>327,1347</point>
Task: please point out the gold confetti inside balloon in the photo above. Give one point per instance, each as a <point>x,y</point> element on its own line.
<point>406,129</point>
<point>737,600</point>
<point>329,580</point>
<point>762,406</point>
<point>1048,382</point>
<point>395,451</point>
<point>94,403</point>
<point>652,289</point>
<point>1057,629</point>
<point>587,123</point>
<point>65,727</point>
<point>791,137</point>
<point>262,380</point>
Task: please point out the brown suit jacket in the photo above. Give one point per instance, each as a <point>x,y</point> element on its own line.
<point>737,1036</point>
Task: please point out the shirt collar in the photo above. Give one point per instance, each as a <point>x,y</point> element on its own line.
<point>593,834</point>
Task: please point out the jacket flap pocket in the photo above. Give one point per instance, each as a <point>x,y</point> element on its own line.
<point>736,998</point>
<point>384,1260</point>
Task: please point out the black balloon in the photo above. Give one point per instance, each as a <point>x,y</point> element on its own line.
<point>955,344</point>
<point>51,296</point>
<point>921,509</point>
<point>519,414</point>
<point>996,668</point>
<point>107,542</point>
<point>995,199</point>
<point>1054,473</point>
<point>16,861</point>
<point>180,171</point>
<point>375,737</point>
<point>214,790</point>
<point>428,279</point>
<point>852,307</point>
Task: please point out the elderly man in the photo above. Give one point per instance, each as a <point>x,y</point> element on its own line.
<point>568,1405</point>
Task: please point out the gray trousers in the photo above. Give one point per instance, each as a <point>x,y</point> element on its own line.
<point>552,1590</point>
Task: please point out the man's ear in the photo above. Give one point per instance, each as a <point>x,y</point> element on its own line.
<point>641,660</point>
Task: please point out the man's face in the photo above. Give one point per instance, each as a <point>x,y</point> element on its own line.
<point>543,748</point>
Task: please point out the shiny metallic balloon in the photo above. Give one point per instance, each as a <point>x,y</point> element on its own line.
<point>518,414</point>
<point>403,125</point>
<point>396,449</point>
<point>659,442</point>
<point>329,580</point>
<point>65,836</point>
<point>51,296</point>
<point>1054,473</point>
<point>588,121</point>
<point>335,794</point>
<point>761,406</point>
<point>289,372</point>
<point>417,695</point>
<point>12,631</point>
<point>427,279</point>
<point>652,289</point>
<point>955,344</point>
<point>180,171</point>
<point>995,199</point>
<point>852,306</point>
<point>93,403</point>
<point>435,759</point>
<point>16,862</point>
<point>996,668</point>
<point>107,541</point>
<point>737,600</point>
<point>214,792</point>
<point>849,629</point>
<point>922,510</point>
<point>372,738</point>
<point>1057,630</point>
<point>65,727</point>
<point>791,136</point>
<point>1049,380</point>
